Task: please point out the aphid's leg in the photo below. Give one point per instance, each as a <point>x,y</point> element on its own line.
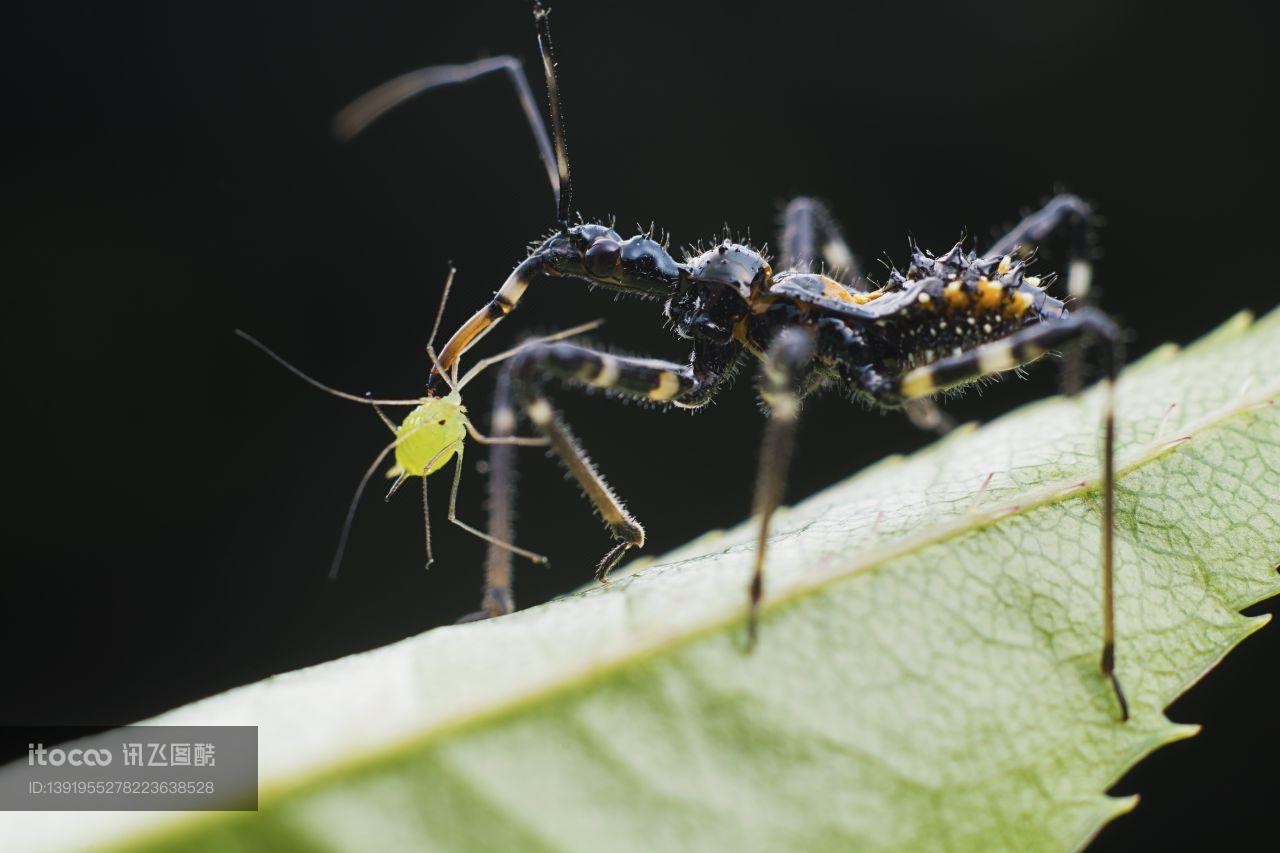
<point>1075,215</point>
<point>426,511</point>
<point>688,386</point>
<point>426,523</point>
<point>508,440</point>
<point>1073,330</point>
<point>492,540</point>
<point>781,381</point>
<point>809,232</point>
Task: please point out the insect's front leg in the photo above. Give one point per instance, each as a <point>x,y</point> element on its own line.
<point>592,254</point>
<point>688,385</point>
<point>782,381</point>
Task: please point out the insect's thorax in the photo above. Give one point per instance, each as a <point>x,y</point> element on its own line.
<point>430,435</point>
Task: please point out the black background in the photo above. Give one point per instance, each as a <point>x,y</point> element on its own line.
<point>173,499</point>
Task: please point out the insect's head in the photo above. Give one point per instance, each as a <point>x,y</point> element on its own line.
<point>716,290</point>
<point>597,253</point>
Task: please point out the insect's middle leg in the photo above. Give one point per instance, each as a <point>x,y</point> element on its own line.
<point>499,598</point>
<point>782,380</point>
<point>810,233</point>
<point>688,385</point>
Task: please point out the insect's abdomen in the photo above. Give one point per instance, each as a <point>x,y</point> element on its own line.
<point>959,302</point>
<point>429,437</point>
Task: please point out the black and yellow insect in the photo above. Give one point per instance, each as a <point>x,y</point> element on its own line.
<point>939,324</point>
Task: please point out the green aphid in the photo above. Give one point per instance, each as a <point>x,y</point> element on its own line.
<point>433,433</point>
<point>429,436</point>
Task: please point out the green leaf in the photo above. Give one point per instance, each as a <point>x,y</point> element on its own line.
<point>927,675</point>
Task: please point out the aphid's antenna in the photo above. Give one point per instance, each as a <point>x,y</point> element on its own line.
<point>316,383</point>
<point>382,416</point>
<point>485,363</point>
<point>355,502</point>
<point>451,379</point>
<point>564,195</point>
<point>444,300</point>
<point>363,111</point>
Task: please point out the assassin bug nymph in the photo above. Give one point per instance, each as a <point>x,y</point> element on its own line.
<point>434,432</point>
<point>942,323</point>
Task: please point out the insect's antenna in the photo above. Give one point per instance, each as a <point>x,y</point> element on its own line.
<point>485,363</point>
<point>355,502</point>
<point>444,300</point>
<point>316,383</point>
<point>366,109</point>
<point>564,194</point>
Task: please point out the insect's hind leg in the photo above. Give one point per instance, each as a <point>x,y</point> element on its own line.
<point>781,380</point>
<point>1063,211</point>
<point>1074,330</point>
<point>637,378</point>
<point>810,233</point>
<point>927,415</point>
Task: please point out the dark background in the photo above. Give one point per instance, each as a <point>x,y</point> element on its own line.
<point>173,499</point>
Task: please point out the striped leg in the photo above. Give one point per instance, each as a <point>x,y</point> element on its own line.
<point>1073,330</point>
<point>805,222</point>
<point>927,415</point>
<point>782,383</point>
<point>498,598</point>
<point>688,386</point>
<point>1074,214</point>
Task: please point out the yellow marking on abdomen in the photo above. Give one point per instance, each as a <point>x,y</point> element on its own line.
<point>989,293</point>
<point>1020,304</point>
<point>955,295</point>
<point>863,298</point>
<point>835,290</point>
